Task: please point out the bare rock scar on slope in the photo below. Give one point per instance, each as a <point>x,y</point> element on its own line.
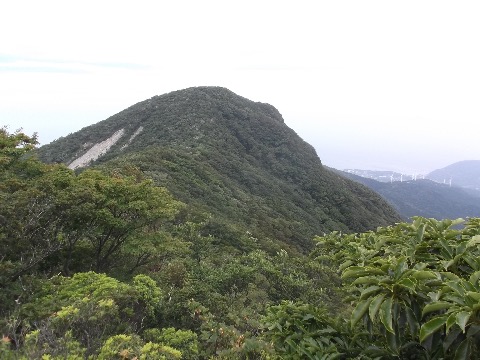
<point>96,150</point>
<point>134,135</point>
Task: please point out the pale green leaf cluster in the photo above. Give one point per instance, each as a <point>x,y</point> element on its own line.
<point>413,285</point>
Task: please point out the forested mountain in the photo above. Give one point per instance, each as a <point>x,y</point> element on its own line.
<point>465,174</point>
<point>425,198</point>
<point>231,157</point>
<point>102,263</point>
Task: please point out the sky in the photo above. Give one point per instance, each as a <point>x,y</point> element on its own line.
<point>380,85</point>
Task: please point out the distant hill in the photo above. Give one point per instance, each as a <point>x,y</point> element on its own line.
<point>230,157</point>
<point>465,174</point>
<point>384,175</point>
<point>424,198</point>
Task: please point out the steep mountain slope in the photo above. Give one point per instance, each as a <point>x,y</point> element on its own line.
<point>464,174</point>
<point>231,157</point>
<point>424,198</point>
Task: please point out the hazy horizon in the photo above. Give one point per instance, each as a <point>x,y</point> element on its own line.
<point>371,85</point>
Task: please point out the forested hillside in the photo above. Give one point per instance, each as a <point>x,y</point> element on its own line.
<point>464,174</point>
<point>104,264</point>
<point>232,158</point>
<point>425,198</point>
<point>109,265</point>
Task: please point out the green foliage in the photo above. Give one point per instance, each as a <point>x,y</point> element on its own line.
<point>89,307</point>
<point>132,347</point>
<point>414,286</point>
<point>209,288</point>
<point>13,147</point>
<point>121,347</point>
<point>235,159</point>
<point>46,345</point>
<point>183,340</point>
<point>56,221</point>
<point>301,331</point>
<point>117,209</point>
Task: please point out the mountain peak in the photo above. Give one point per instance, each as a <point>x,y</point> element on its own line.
<point>234,157</point>
<point>182,116</point>
<point>215,95</point>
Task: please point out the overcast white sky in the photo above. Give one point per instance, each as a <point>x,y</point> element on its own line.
<point>386,85</point>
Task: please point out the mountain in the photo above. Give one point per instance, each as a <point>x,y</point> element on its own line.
<point>424,198</point>
<point>230,157</point>
<point>465,174</point>
<point>384,175</point>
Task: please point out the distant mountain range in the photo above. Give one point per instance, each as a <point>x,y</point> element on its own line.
<point>464,174</point>
<point>451,192</point>
<point>384,175</point>
<point>231,158</point>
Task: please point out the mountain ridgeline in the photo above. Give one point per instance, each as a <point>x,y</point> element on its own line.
<point>424,197</point>
<point>232,158</point>
<point>464,174</point>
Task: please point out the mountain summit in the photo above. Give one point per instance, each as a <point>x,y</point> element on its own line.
<point>231,157</point>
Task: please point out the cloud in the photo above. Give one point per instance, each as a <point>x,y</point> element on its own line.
<point>12,63</point>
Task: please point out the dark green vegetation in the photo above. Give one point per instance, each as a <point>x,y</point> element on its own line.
<point>196,241</point>
<point>425,198</point>
<point>106,265</point>
<point>235,159</point>
<point>109,265</point>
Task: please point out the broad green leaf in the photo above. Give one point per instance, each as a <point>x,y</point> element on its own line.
<point>475,240</point>
<point>308,317</point>
<point>369,291</point>
<point>450,338</point>
<point>345,265</point>
<point>386,281</point>
<point>474,278</point>
<point>472,261</point>
<point>392,342</point>
<point>354,271</point>
<point>411,320</point>
<point>457,221</point>
<point>375,306</point>
<point>420,232</point>
<point>424,275</point>
<point>447,263</point>
<point>440,305</point>
<point>456,286</point>
<point>432,326</point>
<point>408,283</point>
<point>357,271</point>
<point>446,247</point>
<point>359,311</point>
<point>365,280</point>
<point>468,286</point>
<point>450,276</point>
<point>386,314</point>
<point>473,330</point>
<point>452,318</point>
<point>462,319</point>
<point>462,351</point>
<point>458,300</point>
<point>400,268</point>
<point>474,295</point>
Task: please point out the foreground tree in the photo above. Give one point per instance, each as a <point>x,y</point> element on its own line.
<point>55,221</point>
<point>414,287</point>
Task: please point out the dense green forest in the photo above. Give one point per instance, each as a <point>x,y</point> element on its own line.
<point>105,264</point>
<point>235,159</point>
